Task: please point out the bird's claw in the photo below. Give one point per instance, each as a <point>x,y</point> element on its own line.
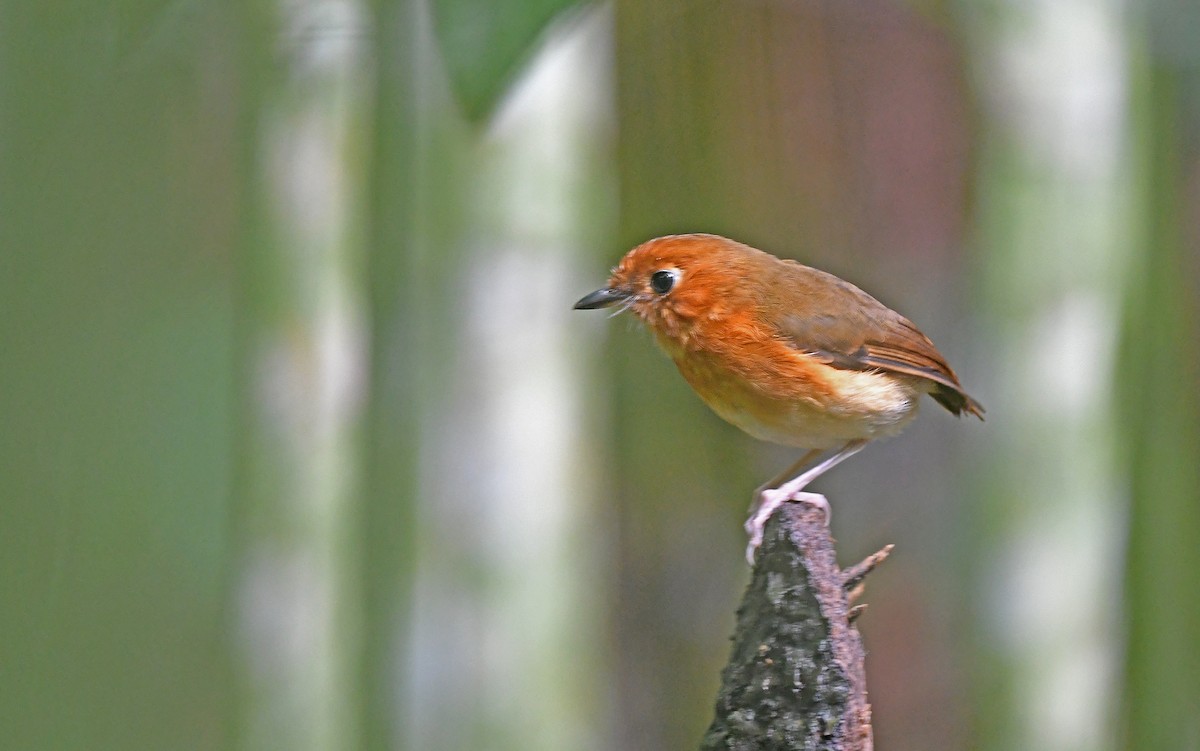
<point>769,500</point>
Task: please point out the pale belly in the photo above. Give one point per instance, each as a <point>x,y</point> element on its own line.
<point>860,405</point>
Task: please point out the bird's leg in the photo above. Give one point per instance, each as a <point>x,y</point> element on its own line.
<point>771,499</point>
<point>790,488</point>
<point>778,487</point>
<point>787,474</point>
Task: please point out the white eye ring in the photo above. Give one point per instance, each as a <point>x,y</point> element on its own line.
<point>664,280</point>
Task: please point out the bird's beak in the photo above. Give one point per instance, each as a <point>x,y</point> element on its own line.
<point>601,298</point>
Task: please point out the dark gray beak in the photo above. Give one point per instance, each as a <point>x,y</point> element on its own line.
<point>601,298</point>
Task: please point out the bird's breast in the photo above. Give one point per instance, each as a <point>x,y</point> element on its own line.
<point>778,394</point>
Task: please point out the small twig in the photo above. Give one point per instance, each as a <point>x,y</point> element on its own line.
<point>855,612</point>
<point>852,576</point>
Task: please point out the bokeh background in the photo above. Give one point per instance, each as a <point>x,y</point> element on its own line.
<point>302,447</point>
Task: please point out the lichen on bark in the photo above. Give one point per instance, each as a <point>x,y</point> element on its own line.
<point>795,677</point>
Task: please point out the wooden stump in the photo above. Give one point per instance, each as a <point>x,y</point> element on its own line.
<point>795,678</point>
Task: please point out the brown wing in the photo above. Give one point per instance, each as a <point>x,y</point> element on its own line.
<point>870,336</point>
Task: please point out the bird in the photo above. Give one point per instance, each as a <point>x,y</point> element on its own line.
<point>788,353</point>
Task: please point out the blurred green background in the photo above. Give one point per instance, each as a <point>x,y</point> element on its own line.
<point>302,447</point>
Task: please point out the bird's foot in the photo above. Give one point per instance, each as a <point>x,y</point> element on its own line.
<point>768,501</point>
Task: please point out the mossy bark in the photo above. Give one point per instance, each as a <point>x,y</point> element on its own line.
<point>795,678</point>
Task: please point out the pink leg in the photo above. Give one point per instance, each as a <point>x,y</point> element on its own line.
<point>769,499</point>
<point>787,474</point>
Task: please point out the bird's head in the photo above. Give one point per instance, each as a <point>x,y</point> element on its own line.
<point>674,282</point>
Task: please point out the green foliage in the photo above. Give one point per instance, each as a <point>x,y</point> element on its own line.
<point>486,42</point>
<point>115,388</point>
<point>1160,415</point>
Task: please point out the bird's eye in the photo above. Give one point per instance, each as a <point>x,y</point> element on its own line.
<point>662,281</point>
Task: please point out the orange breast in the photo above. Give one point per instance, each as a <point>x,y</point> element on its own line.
<point>778,394</point>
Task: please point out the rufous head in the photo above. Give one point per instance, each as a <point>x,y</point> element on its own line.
<point>671,282</point>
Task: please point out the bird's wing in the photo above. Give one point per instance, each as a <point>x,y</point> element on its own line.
<point>871,337</point>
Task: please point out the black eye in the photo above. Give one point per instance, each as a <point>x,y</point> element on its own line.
<point>662,281</point>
